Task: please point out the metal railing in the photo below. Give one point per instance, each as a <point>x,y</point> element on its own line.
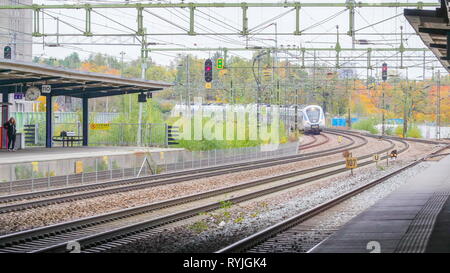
<point>34,176</point>
<point>119,134</point>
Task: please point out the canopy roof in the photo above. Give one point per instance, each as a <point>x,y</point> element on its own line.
<point>432,27</point>
<point>16,76</point>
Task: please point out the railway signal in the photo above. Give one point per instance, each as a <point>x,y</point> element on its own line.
<point>384,71</point>
<point>208,70</point>
<point>7,52</point>
<point>171,135</point>
<point>267,72</point>
<point>393,154</point>
<point>220,64</point>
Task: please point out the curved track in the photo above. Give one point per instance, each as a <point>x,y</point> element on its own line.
<point>111,227</point>
<point>283,229</point>
<point>313,144</point>
<point>94,190</point>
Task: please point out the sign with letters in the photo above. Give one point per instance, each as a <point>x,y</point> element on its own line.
<point>46,89</point>
<point>18,96</point>
<point>100,126</point>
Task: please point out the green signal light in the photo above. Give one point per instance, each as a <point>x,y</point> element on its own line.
<point>220,64</point>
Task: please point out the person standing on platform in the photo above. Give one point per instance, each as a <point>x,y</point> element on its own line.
<point>11,131</point>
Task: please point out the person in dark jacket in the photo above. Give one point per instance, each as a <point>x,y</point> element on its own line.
<point>11,131</point>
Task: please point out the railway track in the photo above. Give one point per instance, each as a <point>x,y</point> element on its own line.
<point>314,140</point>
<point>101,232</point>
<point>283,230</point>
<point>313,144</point>
<point>89,191</point>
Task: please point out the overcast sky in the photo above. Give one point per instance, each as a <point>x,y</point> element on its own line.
<point>225,20</point>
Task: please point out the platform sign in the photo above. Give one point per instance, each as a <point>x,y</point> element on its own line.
<point>100,126</point>
<point>46,89</point>
<point>78,166</point>
<point>18,96</point>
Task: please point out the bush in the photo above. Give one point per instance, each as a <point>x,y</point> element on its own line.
<point>413,132</point>
<point>366,125</point>
<point>210,144</point>
<point>389,131</point>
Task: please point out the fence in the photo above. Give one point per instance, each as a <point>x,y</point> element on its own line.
<point>120,134</point>
<point>23,118</point>
<point>32,176</point>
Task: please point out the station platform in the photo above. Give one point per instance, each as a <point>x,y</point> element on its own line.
<point>413,219</point>
<point>36,154</point>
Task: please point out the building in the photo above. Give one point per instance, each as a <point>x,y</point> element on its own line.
<point>15,31</point>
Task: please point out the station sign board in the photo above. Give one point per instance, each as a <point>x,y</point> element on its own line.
<point>18,96</point>
<point>46,89</point>
<point>100,126</point>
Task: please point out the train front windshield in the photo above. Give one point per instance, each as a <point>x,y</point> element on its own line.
<point>313,114</point>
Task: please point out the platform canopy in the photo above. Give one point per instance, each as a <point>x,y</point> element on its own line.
<point>16,76</point>
<point>433,28</point>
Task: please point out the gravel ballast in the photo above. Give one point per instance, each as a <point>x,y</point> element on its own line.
<point>214,231</point>
<point>32,218</point>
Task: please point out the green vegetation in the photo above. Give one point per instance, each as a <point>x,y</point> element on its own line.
<point>124,128</point>
<point>366,125</point>
<point>211,142</point>
<point>389,131</point>
<point>413,131</point>
<point>199,226</point>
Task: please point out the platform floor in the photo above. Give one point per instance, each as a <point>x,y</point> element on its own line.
<point>57,153</point>
<point>415,218</point>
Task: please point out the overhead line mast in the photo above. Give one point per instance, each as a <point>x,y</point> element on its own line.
<point>350,5</point>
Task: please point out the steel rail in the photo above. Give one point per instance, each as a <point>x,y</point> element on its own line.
<point>327,139</point>
<point>314,140</point>
<point>110,236</point>
<point>131,185</point>
<point>13,239</point>
<point>263,235</point>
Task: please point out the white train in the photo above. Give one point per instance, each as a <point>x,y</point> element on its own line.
<point>309,118</point>
<point>313,119</point>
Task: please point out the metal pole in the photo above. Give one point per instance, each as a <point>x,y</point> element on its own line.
<point>438,107</point>
<point>48,175</point>
<point>382,109</point>
<point>96,170</point>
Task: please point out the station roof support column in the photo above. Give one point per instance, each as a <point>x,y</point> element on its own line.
<point>5,114</point>
<point>48,121</point>
<point>85,121</point>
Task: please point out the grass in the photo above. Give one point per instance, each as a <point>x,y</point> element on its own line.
<point>366,125</point>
